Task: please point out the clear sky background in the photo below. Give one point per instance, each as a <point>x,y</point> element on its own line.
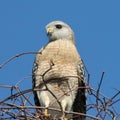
<point>96,24</point>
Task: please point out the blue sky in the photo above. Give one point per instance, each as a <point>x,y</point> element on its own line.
<point>96,24</point>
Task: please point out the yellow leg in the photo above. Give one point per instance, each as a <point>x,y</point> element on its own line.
<point>46,113</point>
<point>65,118</point>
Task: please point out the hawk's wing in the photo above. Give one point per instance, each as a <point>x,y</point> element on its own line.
<point>34,69</point>
<point>79,104</point>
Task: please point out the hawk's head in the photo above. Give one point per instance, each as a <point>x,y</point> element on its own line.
<point>59,30</point>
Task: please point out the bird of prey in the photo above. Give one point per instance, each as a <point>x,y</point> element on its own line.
<point>59,75</point>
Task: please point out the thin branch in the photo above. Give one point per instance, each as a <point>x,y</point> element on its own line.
<point>16,56</point>
<point>19,105</point>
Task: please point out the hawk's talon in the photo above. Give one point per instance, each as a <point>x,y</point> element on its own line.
<point>65,118</point>
<point>46,113</point>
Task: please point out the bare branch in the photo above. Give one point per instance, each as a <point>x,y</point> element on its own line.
<point>19,104</point>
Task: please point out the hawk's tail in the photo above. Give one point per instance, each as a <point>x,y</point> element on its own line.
<point>79,104</point>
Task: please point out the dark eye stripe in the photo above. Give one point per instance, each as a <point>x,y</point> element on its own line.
<point>58,26</point>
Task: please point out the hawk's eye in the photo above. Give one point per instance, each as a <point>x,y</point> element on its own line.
<point>58,26</point>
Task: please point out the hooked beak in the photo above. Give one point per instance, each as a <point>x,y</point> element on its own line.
<point>49,30</point>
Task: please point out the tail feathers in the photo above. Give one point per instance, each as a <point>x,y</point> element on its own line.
<point>79,104</point>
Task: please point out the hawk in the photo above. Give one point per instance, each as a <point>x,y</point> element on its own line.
<point>59,75</point>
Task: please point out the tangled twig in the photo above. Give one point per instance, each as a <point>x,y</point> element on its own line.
<point>19,104</point>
